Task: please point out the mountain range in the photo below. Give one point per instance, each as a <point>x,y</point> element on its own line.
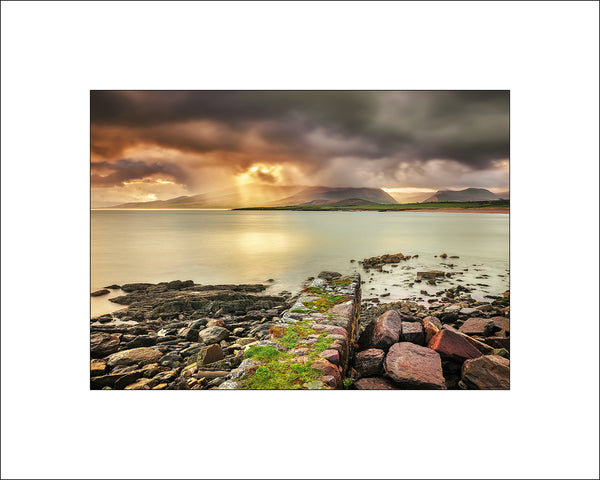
<point>277,196</point>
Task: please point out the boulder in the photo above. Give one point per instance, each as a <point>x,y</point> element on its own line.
<point>413,332</point>
<point>97,367</point>
<point>136,356</point>
<point>214,334</point>
<point>478,344</point>
<point>331,355</point>
<point>477,326</point>
<point>375,383</point>
<point>468,311</point>
<point>431,325</point>
<point>209,354</point>
<point>453,346</point>
<point>133,287</point>
<point>489,372</point>
<point>369,362</point>
<point>328,368</point>
<point>382,332</point>
<point>98,293</point>
<point>413,366</point>
<point>102,344</point>
<point>501,323</point>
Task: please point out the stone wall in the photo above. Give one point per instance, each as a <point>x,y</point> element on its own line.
<point>311,345</point>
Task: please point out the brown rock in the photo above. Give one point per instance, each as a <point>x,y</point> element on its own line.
<point>453,346</point>
<point>135,356</point>
<point>332,356</point>
<point>97,367</point>
<point>210,354</point>
<point>413,366</point>
<point>490,372</point>
<point>328,368</point>
<point>413,332</point>
<point>102,344</point>
<point>369,362</point>
<point>98,293</point>
<point>375,383</point>
<point>382,332</point>
<point>431,325</point>
<point>477,326</point>
<point>430,275</point>
<point>141,384</point>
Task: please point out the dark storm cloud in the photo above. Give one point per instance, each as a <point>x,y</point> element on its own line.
<point>310,128</point>
<point>126,170</point>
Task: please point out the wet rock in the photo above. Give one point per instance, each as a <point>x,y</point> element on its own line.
<point>114,287</point>
<point>490,372</point>
<point>413,332</point>
<point>413,366</point>
<point>375,383</point>
<point>326,275</point>
<point>444,255</point>
<point>478,326</point>
<point>452,345</point>
<point>98,293</point>
<point>382,332</point>
<point>133,287</point>
<point>369,362</point>
<point>430,275</point>
<point>213,335</point>
<point>135,356</point>
<point>103,344</point>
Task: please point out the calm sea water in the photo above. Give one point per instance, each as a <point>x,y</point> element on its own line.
<point>222,246</point>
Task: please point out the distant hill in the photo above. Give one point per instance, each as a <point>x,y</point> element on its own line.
<point>467,195</point>
<point>341,203</point>
<point>271,196</point>
<point>504,195</point>
<point>329,195</point>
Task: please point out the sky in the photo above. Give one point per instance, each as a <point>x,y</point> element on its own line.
<point>149,145</point>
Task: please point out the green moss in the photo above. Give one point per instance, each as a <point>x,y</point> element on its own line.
<point>300,310</point>
<point>348,382</point>
<point>341,282</point>
<point>264,353</point>
<point>326,301</point>
<point>277,375</point>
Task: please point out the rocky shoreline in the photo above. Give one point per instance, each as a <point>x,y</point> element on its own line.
<point>181,335</point>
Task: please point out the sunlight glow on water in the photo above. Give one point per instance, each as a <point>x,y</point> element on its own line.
<point>221,246</point>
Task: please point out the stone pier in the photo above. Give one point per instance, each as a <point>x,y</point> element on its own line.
<point>311,345</point>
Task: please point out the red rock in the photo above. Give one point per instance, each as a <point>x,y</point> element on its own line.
<point>328,368</point>
<point>382,332</point>
<point>375,383</point>
<point>477,326</point>
<point>490,372</point>
<point>369,362</point>
<point>331,355</point>
<point>413,332</point>
<point>476,342</point>
<point>453,346</point>
<point>503,323</point>
<point>413,366</point>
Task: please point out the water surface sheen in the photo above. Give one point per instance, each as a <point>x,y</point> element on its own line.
<point>222,246</point>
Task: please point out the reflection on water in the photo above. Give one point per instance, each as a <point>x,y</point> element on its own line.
<point>253,246</point>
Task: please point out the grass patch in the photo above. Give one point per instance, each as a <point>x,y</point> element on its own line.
<point>299,310</point>
<point>281,376</point>
<point>264,353</point>
<point>341,282</point>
